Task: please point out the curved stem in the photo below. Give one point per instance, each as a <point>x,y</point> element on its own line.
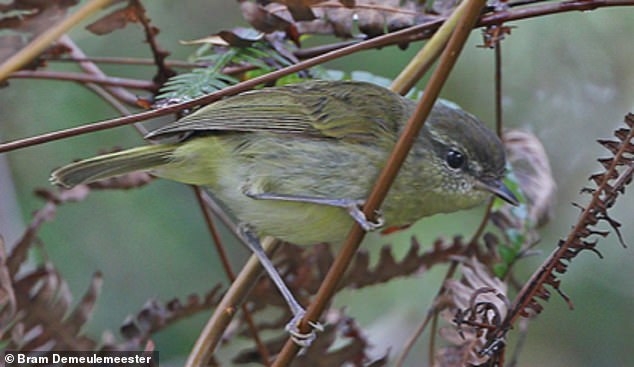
<point>226,265</point>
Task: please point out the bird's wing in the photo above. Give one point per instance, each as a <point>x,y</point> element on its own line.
<point>342,110</point>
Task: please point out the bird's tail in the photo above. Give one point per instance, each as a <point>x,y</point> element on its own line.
<point>113,164</point>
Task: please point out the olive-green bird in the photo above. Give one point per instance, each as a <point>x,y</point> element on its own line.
<point>296,162</point>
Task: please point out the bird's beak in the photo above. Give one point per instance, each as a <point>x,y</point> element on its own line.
<point>497,188</point>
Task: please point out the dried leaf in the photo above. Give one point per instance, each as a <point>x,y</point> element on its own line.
<point>43,318</point>
<point>304,269</point>
<point>262,19</point>
<point>531,166</point>
<point>371,17</point>
<point>43,300</point>
<point>8,303</point>
<point>493,35</point>
<point>83,311</point>
<point>476,301</point>
<point>117,19</point>
<point>444,6</point>
<point>238,37</point>
<point>155,316</point>
<point>299,9</point>
<point>360,274</point>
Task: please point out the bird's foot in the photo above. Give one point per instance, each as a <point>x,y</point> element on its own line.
<point>303,340</point>
<point>356,212</point>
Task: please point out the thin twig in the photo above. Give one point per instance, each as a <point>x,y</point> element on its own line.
<point>240,288</point>
<point>140,61</point>
<point>226,265</point>
<point>549,8</point>
<point>84,78</point>
<point>498,88</point>
<point>473,242</point>
<point>114,92</point>
<point>498,130</point>
<point>432,313</point>
<point>224,258</point>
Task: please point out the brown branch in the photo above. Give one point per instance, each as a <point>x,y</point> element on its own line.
<point>387,175</point>
<point>229,70</point>
<point>498,89</point>
<point>549,8</point>
<point>84,78</point>
<point>123,61</point>
<point>159,55</point>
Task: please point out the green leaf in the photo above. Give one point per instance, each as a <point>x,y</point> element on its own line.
<point>507,254</point>
<point>204,80</point>
<point>500,270</point>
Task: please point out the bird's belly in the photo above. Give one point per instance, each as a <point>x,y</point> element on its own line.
<point>298,223</point>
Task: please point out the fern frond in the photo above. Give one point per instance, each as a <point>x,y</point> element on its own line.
<point>200,81</point>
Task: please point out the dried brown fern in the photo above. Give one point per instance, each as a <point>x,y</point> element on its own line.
<point>35,312</point>
<point>618,172</point>
<point>475,304</point>
<point>35,302</point>
<point>305,268</point>
<point>360,274</point>
<point>155,315</point>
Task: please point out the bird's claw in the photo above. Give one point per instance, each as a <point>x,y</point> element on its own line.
<point>303,340</point>
<point>355,211</point>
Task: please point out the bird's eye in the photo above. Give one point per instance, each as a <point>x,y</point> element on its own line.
<point>455,159</point>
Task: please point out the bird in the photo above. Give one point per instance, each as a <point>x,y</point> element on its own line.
<point>296,162</point>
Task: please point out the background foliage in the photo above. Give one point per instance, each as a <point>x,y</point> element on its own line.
<point>567,77</point>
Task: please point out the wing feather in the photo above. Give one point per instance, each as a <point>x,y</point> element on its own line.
<point>320,109</point>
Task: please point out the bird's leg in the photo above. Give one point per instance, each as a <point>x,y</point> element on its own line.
<point>351,205</point>
<point>301,339</point>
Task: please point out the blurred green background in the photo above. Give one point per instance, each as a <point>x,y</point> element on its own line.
<point>569,78</point>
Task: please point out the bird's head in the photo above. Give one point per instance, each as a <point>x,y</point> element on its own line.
<point>467,157</point>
